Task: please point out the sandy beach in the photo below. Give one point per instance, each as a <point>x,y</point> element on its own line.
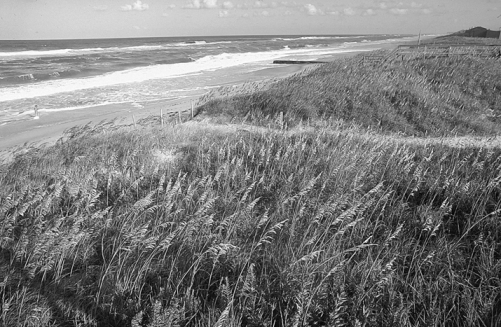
<point>52,123</point>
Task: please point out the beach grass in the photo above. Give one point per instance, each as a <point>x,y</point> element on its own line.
<point>359,208</point>
<point>440,97</point>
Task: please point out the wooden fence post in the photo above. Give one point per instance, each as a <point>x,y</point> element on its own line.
<point>191,109</point>
<point>134,121</point>
<point>179,115</point>
<point>161,117</point>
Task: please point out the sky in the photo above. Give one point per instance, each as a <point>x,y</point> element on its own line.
<point>74,19</point>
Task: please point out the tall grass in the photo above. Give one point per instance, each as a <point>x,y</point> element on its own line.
<point>237,221</point>
<point>454,39</point>
<point>251,228</point>
<point>421,97</point>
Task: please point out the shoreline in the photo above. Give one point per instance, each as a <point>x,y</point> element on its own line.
<point>51,125</point>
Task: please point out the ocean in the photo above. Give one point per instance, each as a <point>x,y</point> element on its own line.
<point>61,75</point>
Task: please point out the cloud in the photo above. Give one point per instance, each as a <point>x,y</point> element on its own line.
<point>399,11</point>
<point>395,7</point>
<point>259,7</point>
<point>369,12</point>
<point>269,7</point>
<point>287,4</point>
<point>194,4</point>
<point>260,4</point>
<point>202,4</point>
<point>100,8</point>
<point>312,10</point>
<point>138,5</point>
<point>349,11</point>
<point>228,5</point>
<point>210,3</point>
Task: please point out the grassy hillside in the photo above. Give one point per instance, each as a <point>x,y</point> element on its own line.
<point>233,221</point>
<point>442,97</point>
<point>456,39</point>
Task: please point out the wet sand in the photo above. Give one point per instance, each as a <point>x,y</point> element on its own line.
<point>51,124</point>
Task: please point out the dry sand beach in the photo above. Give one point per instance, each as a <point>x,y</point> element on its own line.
<point>52,124</point>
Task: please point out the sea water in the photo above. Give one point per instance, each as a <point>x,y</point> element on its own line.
<point>76,74</point>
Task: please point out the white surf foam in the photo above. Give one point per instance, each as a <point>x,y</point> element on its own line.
<point>163,71</point>
<point>331,37</point>
<point>70,52</point>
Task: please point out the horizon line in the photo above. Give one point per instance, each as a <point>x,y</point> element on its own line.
<point>206,36</point>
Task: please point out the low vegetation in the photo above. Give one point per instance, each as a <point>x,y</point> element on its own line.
<point>441,97</point>
<point>456,39</point>
<point>232,220</point>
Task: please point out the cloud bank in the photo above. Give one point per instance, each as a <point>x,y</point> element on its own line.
<point>202,4</point>
<point>138,6</point>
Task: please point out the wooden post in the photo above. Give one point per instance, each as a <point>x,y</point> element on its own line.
<point>134,121</point>
<point>281,120</point>
<point>161,117</point>
<point>179,115</point>
<point>191,109</point>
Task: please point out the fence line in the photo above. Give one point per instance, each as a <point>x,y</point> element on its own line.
<point>215,93</point>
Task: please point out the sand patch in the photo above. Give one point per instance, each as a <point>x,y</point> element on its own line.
<point>165,156</point>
